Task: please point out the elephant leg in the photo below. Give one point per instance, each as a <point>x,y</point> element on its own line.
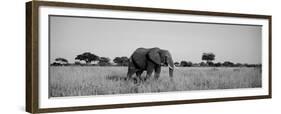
<point>148,74</point>
<point>157,72</point>
<point>130,73</point>
<point>149,69</point>
<point>138,73</point>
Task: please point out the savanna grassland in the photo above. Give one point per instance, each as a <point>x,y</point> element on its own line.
<point>97,80</point>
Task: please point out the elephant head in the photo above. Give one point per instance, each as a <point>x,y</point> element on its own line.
<point>160,57</point>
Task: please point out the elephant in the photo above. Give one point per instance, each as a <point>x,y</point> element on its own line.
<point>149,60</point>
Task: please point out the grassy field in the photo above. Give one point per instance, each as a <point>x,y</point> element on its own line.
<point>87,80</point>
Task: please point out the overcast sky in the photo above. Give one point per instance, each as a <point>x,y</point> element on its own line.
<point>70,36</point>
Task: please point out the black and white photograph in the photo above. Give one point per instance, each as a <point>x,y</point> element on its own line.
<point>82,56</point>
<point>91,56</point>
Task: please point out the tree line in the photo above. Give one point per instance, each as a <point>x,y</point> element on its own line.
<point>90,59</point>
<point>209,57</point>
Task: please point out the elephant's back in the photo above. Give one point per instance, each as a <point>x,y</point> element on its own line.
<point>140,53</point>
<point>141,50</point>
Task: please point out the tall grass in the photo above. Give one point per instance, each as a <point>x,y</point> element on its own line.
<point>83,81</point>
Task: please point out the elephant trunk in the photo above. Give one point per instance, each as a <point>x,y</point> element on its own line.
<point>171,67</point>
<point>171,71</point>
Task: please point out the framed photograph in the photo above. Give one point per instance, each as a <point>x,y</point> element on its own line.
<point>87,56</point>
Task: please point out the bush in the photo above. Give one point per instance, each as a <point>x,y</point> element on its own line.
<point>218,64</point>
<point>56,64</point>
<point>228,64</point>
<point>186,64</point>
<point>203,64</point>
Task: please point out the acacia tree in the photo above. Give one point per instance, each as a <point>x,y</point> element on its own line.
<point>60,61</point>
<point>121,61</point>
<point>208,57</point>
<point>87,57</point>
<point>103,61</point>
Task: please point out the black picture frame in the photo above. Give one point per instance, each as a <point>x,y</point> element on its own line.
<point>32,53</point>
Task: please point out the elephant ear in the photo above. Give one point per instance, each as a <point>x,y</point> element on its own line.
<point>154,55</point>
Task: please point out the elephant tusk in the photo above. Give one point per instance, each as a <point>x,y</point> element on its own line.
<point>175,67</point>
<point>170,67</point>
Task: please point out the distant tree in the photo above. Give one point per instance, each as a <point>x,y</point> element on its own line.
<point>56,64</point>
<point>211,64</point>
<point>195,64</point>
<point>189,64</point>
<point>228,64</point>
<point>258,65</point>
<point>104,61</point>
<point>208,57</point>
<point>121,61</point>
<point>87,57</point>
<point>217,64</point>
<point>245,65</point>
<point>186,64</point>
<point>203,64</point>
<point>177,64</point>
<point>60,61</point>
<point>252,65</point>
<point>183,63</point>
<point>77,63</point>
<point>238,65</point>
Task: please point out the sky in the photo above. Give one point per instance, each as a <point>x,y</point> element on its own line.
<point>71,36</point>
